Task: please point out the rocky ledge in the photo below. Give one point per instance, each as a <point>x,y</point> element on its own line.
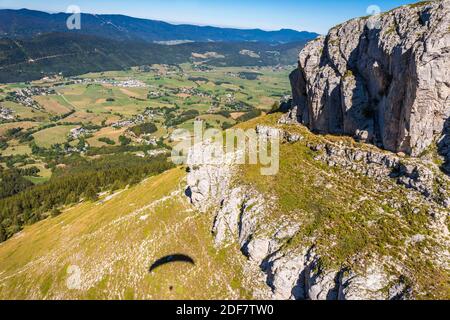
<point>279,270</point>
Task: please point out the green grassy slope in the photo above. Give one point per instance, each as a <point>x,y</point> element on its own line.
<point>113,243</point>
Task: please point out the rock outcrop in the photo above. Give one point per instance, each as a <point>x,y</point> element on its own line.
<point>242,215</point>
<point>383,79</point>
<point>413,174</point>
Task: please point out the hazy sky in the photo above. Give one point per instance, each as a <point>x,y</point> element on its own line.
<point>315,15</point>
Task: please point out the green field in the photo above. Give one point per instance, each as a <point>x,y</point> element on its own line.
<point>48,137</point>
<point>16,149</point>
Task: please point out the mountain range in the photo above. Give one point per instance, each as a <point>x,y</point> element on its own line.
<point>75,54</point>
<point>35,44</point>
<point>26,23</point>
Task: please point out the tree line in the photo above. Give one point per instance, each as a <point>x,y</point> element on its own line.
<point>77,179</point>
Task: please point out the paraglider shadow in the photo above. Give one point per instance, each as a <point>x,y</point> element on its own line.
<point>171,259</point>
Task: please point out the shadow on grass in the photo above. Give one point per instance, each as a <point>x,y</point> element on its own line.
<point>171,259</point>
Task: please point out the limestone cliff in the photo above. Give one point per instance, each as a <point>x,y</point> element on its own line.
<point>297,251</point>
<point>344,219</point>
<point>384,79</point>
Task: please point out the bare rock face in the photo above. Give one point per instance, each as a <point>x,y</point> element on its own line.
<point>383,79</point>
<point>240,216</point>
<point>206,186</point>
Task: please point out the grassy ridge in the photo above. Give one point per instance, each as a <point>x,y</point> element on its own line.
<point>351,220</point>
<point>114,242</point>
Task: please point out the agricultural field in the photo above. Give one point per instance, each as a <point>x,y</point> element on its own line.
<point>54,104</point>
<point>108,132</point>
<point>20,124</point>
<point>51,136</point>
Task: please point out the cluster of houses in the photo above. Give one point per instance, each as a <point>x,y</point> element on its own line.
<point>147,139</point>
<point>155,94</point>
<point>36,91</point>
<point>161,70</point>
<point>151,113</point>
<point>6,114</point>
<point>158,152</point>
<point>192,92</point>
<point>230,99</point>
<point>25,96</point>
<point>123,123</point>
<point>148,114</point>
<point>137,119</point>
<point>184,90</point>
<point>71,149</point>
<point>129,83</point>
<point>201,67</point>
<point>232,74</point>
<point>79,132</point>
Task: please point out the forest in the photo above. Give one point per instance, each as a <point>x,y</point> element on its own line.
<point>75,178</point>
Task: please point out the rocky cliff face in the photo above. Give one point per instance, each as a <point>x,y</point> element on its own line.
<point>346,220</point>
<point>383,79</point>
<point>280,267</point>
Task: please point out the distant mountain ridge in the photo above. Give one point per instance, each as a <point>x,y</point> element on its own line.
<point>75,54</point>
<point>26,23</point>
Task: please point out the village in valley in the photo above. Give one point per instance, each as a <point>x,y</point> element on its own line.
<point>133,111</point>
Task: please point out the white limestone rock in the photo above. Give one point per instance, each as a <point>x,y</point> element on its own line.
<point>389,80</point>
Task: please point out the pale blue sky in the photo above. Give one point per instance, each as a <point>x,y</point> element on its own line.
<point>315,15</point>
